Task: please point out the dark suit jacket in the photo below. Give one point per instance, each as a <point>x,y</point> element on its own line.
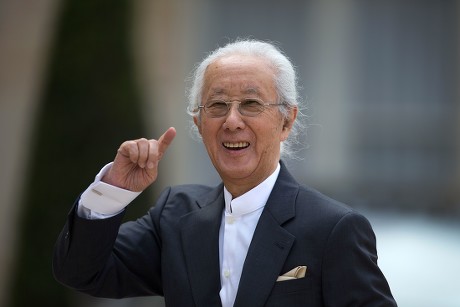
<point>174,251</point>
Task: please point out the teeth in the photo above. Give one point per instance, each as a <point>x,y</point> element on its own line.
<point>236,145</point>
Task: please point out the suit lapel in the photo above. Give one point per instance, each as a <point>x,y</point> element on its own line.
<point>200,243</point>
<point>270,244</point>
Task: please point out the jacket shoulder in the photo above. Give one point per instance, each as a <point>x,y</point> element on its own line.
<point>317,199</point>
<point>198,193</point>
<point>322,209</point>
<point>182,199</point>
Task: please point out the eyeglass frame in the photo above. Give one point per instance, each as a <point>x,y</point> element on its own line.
<point>230,103</point>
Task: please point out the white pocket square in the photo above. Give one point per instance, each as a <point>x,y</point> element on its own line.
<point>295,273</point>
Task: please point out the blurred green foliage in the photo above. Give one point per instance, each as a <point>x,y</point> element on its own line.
<point>89,107</point>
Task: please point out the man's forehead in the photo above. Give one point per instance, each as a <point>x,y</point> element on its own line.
<point>244,89</point>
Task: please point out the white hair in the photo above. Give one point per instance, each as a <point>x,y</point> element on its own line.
<point>285,81</point>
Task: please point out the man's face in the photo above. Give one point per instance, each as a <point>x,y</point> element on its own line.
<point>244,150</point>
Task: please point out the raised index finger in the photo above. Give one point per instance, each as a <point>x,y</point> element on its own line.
<point>165,140</point>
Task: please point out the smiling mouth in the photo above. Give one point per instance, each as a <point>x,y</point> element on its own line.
<point>236,146</point>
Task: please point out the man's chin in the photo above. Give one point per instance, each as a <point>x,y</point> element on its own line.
<point>234,171</point>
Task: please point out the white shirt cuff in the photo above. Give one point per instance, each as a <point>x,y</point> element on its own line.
<point>104,200</point>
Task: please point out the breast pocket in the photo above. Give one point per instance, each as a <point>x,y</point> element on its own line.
<point>296,292</point>
<point>291,286</point>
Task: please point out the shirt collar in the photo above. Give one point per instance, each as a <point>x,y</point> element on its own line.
<point>253,199</point>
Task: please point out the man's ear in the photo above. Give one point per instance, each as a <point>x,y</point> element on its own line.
<point>290,119</point>
<point>288,122</point>
<point>197,122</point>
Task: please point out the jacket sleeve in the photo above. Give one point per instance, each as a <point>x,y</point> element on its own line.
<point>351,276</point>
<point>105,258</point>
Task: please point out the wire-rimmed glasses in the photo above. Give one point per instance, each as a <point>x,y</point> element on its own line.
<point>247,107</point>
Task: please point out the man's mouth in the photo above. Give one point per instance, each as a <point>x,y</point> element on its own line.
<point>236,146</point>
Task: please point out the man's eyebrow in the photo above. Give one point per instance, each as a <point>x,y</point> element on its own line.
<point>251,90</point>
<point>217,91</point>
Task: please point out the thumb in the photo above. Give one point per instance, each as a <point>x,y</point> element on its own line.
<point>165,140</point>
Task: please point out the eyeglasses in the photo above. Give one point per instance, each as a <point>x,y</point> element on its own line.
<point>247,107</point>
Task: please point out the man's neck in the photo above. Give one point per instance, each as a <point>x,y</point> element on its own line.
<point>241,186</point>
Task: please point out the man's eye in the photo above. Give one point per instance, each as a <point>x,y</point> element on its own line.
<point>251,104</point>
<point>217,105</point>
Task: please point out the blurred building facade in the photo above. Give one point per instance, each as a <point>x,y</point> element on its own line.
<point>395,94</point>
<point>26,29</point>
<point>380,80</point>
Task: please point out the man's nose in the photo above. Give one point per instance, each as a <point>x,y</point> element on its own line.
<point>234,119</point>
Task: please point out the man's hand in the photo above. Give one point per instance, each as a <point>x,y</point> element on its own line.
<point>136,164</point>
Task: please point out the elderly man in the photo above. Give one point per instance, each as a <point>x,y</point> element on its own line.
<point>257,239</point>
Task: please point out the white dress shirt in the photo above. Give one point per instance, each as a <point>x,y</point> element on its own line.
<point>239,220</point>
<point>101,200</point>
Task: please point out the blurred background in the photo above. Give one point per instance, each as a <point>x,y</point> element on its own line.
<point>381,86</point>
